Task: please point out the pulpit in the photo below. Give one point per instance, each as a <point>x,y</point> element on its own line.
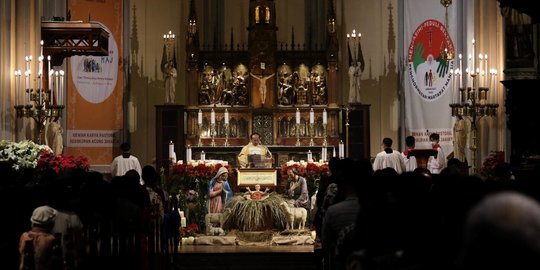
<point>422,156</point>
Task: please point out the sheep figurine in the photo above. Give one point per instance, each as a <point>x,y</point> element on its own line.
<point>212,219</point>
<point>298,214</point>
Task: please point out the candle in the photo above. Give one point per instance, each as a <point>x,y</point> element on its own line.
<point>311,116</point>
<point>61,89</point>
<point>203,156</point>
<point>40,64</point>
<point>212,117</point>
<point>183,222</point>
<point>486,71</point>
<point>310,156</point>
<point>297,116</point>
<point>473,55</point>
<point>324,153</point>
<point>324,117</point>
<point>171,149</point>
<point>49,64</point>
<point>199,117</point>
<point>41,44</point>
<point>341,149</point>
<point>226,116</point>
<point>188,154</point>
<point>181,214</point>
<point>460,71</point>
<point>333,152</point>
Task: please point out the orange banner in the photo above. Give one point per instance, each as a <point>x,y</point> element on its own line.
<point>95,87</point>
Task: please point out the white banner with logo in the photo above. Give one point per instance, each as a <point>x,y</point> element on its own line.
<point>428,86</point>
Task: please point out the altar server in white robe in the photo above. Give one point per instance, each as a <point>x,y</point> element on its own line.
<point>389,158</point>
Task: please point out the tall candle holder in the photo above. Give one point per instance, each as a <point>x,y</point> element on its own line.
<point>200,135</point>
<point>213,134</point>
<point>226,143</point>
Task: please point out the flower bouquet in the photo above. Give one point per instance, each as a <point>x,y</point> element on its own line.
<point>22,155</point>
<point>62,163</point>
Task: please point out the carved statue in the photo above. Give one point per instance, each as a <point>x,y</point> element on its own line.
<point>262,85</point>
<point>53,137</point>
<point>170,75</point>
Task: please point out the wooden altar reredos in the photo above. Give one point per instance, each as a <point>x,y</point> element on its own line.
<point>261,85</point>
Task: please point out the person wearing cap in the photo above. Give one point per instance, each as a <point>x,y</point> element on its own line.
<point>125,162</point>
<point>41,237</point>
<point>219,191</point>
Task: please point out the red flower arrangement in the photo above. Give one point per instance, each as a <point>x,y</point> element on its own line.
<point>61,163</point>
<point>191,230</point>
<point>492,160</point>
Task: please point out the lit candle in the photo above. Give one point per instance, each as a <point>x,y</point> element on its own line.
<point>199,117</point>
<point>16,73</point>
<point>323,153</point>
<point>460,71</point>
<point>56,87</point>
<point>226,116</point>
<point>297,116</point>
<point>311,116</point>
<point>49,64</point>
<point>334,152</point>
<point>62,90</point>
<point>171,149</point>
<point>40,64</point>
<point>41,44</point>
<point>212,117</point>
<point>324,117</point>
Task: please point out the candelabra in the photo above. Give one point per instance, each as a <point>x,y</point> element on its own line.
<point>473,105</point>
<point>213,134</point>
<point>41,103</point>
<point>200,134</point>
<point>226,143</point>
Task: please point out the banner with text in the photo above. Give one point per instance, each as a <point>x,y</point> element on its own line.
<point>95,88</point>
<point>427,75</point>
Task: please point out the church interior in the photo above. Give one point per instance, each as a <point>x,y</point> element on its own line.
<point>186,88</point>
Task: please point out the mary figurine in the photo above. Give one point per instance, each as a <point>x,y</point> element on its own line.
<point>219,191</point>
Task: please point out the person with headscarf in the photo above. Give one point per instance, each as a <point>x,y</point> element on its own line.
<point>219,191</point>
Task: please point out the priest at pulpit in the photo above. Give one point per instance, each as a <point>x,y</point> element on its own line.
<point>254,151</point>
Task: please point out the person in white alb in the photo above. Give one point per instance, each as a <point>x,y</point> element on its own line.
<point>438,162</point>
<point>125,162</point>
<point>410,161</point>
<point>389,158</point>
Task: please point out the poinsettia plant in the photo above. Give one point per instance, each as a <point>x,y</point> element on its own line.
<point>190,230</point>
<point>312,171</point>
<point>61,163</point>
<point>490,162</point>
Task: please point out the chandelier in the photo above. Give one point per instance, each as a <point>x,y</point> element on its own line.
<point>446,54</point>
<point>39,97</point>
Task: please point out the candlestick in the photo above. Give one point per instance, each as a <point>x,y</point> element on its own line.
<point>183,222</point>
<point>297,132</point>
<point>324,117</point>
<point>473,55</point>
<point>188,153</point>
<point>226,116</point>
<point>61,88</point>
<point>311,116</point>
<point>199,117</point>
<point>171,149</point>
<point>341,150</point>
<point>297,116</point>
<point>212,117</point>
